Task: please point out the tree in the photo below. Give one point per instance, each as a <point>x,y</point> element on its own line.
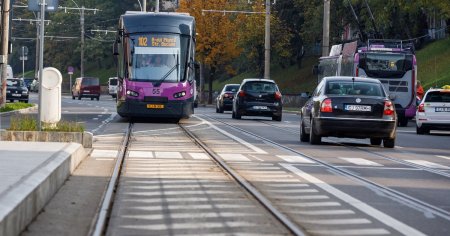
<point>216,35</point>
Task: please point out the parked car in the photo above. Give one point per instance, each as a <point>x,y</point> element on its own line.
<point>16,90</point>
<point>34,86</point>
<point>258,97</point>
<point>28,82</point>
<point>349,107</point>
<point>112,86</point>
<point>433,112</point>
<point>86,87</point>
<point>224,102</point>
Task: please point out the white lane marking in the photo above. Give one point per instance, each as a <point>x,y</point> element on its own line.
<point>190,215</point>
<point>306,197</point>
<point>188,226</point>
<point>104,159</point>
<point>140,154</point>
<point>339,221</point>
<point>350,232</point>
<point>444,157</point>
<point>99,115</point>
<point>233,157</point>
<point>239,140</point>
<point>311,204</point>
<point>429,164</point>
<point>359,161</point>
<point>293,191</point>
<point>257,158</point>
<point>199,156</point>
<point>288,185</point>
<point>168,155</point>
<point>382,217</point>
<point>104,153</point>
<point>295,159</point>
<point>95,118</point>
<point>324,212</point>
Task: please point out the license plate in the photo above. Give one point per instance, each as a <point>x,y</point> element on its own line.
<point>260,107</point>
<point>357,108</point>
<point>155,106</point>
<point>86,91</point>
<point>17,95</point>
<point>442,109</point>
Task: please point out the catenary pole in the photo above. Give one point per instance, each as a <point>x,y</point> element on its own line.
<point>267,43</point>
<point>41,61</point>
<point>82,42</point>
<point>4,50</point>
<point>326,28</point>
<point>157,6</point>
<point>145,6</point>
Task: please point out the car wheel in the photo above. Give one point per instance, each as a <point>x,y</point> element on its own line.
<point>25,101</point>
<point>233,115</point>
<point>276,118</point>
<point>73,97</point>
<point>217,109</point>
<point>11,100</point>
<point>220,109</point>
<point>389,142</point>
<point>237,115</point>
<point>313,137</point>
<point>421,130</point>
<point>79,97</point>
<point>375,141</point>
<point>98,98</point>
<point>403,122</point>
<point>304,137</point>
<point>92,99</point>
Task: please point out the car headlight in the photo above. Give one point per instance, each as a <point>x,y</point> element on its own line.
<point>132,93</point>
<point>25,92</point>
<point>7,91</point>
<point>179,94</point>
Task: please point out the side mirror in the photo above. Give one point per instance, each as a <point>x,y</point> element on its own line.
<point>392,97</point>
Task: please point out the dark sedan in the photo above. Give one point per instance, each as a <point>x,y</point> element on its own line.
<point>349,107</point>
<point>16,90</point>
<point>258,97</point>
<point>224,101</point>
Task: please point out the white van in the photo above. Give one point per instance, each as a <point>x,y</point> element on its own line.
<point>112,86</point>
<point>9,72</point>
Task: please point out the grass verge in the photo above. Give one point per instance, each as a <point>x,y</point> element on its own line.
<point>15,106</point>
<point>29,123</point>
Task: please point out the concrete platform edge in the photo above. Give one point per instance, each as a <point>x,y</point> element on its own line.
<point>24,203</point>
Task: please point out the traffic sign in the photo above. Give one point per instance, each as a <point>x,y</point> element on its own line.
<point>50,5</point>
<point>70,70</point>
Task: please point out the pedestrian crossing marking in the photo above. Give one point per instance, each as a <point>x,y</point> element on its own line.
<point>168,155</point>
<point>104,153</point>
<point>199,156</point>
<point>233,157</point>
<point>359,161</point>
<point>140,154</point>
<point>444,157</point>
<point>428,164</point>
<point>295,159</point>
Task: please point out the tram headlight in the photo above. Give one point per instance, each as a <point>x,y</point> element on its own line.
<point>179,94</point>
<point>132,93</point>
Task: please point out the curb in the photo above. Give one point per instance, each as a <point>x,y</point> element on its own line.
<point>23,202</point>
<point>84,138</point>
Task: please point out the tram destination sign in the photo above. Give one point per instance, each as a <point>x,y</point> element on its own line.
<point>50,5</point>
<point>157,41</point>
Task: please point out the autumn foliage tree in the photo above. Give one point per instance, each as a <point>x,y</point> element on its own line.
<point>216,35</point>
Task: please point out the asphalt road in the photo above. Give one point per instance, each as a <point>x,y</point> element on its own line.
<point>343,186</point>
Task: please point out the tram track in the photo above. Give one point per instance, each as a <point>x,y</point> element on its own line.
<point>385,157</point>
<point>105,211</point>
<point>399,196</point>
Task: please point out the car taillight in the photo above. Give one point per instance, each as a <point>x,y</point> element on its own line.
<point>241,93</point>
<point>388,108</point>
<point>421,108</point>
<point>277,96</point>
<point>357,71</point>
<point>326,106</point>
<point>228,95</point>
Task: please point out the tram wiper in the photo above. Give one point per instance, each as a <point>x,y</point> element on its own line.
<point>157,84</point>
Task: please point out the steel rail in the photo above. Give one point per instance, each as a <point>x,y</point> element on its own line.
<point>108,197</point>
<point>398,161</point>
<point>291,226</point>
<point>386,190</point>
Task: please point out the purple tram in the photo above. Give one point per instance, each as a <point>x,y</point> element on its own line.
<point>155,65</point>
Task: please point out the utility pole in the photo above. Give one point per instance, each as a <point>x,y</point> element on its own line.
<point>156,6</point>
<point>145,6</point>
<point>326,28</point>
<point>82,42</point>
<point>37,48</point>
<point>41,61</point>
<point>267,43</point>
<point>4,49</point>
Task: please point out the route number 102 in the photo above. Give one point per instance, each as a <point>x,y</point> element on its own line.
<point>142,41</point>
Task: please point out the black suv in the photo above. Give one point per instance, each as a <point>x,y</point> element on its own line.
<point>258,97</point>
<point>16,90</point>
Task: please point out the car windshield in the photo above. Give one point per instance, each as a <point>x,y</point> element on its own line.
<point>353,88</point>
<point>231,88</point>
<point>438,96</point>
<point>113,82</point>
<point>260,87</point>
<point>14,83</point>
<point>90,81</point>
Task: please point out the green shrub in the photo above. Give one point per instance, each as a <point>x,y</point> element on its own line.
<point>29,123</point>
<point>15,106</point>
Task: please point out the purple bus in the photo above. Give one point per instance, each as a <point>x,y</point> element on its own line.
<point>155,65</point>
<point>391,61</point>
